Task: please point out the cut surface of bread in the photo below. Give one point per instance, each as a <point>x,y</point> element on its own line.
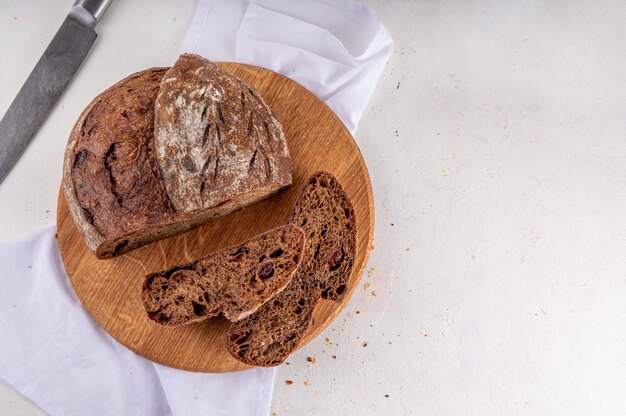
<point>325,213</point>
<point>234,281</point>
<point>165,150</point>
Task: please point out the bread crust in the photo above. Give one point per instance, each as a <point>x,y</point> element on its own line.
<point>215,136</point>
<point>115,168</point>
<point>93,237</point>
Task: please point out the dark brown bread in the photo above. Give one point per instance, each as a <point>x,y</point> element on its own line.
<point>165,150</point>
<point>215,136</point>
<point>112,181</point>
<point>234,281</point>
<point>325,213</point>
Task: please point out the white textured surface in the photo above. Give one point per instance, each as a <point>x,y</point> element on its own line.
<point>496,142</point>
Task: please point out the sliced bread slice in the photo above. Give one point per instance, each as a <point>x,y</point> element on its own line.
<point>234,281</point>
<point>325,213</point>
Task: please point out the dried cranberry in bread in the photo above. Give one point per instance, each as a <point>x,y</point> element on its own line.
<point>165,150</point>
<point>325,213</point>
<point>234,281</point>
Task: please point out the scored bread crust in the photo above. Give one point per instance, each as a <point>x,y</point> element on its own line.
<point>93,237</point>
<point>234,281</point>
<point>214,132</point>
<point>325,213</point>
<point>114,167</point>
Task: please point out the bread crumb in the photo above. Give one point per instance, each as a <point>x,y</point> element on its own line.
<point>372,246</point>
<point>334,357</point>
<point>365,344</point>
<point>407,249</point>
<point>306,382</point>
<point>373,293</point>
<point>358,312</point>
<point>288,382</point>
<point>386,395</point>
<point>390,342</point>
<point>311,360</point>
<point>422,333</point>
<point>367,286</point>
<point>287,363</point>
<point>327,339</point>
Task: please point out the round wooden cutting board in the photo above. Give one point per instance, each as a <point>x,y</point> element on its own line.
<point>110,289</point>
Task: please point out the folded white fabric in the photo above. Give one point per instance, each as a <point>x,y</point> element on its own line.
<point>53,352</point>
<point>336,49</point>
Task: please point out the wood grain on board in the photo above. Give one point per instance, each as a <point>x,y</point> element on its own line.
<point>110,289</point>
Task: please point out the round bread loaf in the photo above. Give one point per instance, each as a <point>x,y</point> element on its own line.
<point>165,150</point>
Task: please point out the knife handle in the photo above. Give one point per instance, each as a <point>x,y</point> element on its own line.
<point>90,11</point>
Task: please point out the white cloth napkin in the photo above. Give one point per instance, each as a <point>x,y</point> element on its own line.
<point>336,49</point>
<point>53,352</point>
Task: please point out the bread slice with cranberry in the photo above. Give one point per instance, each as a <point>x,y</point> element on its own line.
<point>234,281</point>
<point>325,213</point>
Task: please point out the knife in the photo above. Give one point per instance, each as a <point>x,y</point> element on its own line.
<point>46,82</point>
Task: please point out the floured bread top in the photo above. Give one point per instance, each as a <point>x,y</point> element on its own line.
<point>214,136</point>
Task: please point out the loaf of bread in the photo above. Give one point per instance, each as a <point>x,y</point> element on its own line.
<point>325,213</point>
<point>234,281</point>
<point>165,150</point>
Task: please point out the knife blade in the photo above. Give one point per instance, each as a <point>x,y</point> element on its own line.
<point>45,84</point>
